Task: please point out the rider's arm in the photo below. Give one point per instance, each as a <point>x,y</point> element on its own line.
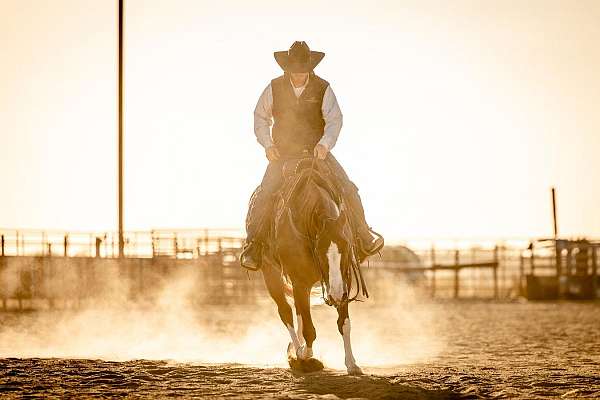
<point>333,119</point>
<point>263,118</point>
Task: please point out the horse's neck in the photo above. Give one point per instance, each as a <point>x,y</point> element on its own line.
<point>313,204</point>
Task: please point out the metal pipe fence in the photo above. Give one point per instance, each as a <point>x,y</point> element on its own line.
<point>137,244</point>
<point>441,268</point>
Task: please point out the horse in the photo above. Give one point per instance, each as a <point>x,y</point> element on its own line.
<point>310,244</point>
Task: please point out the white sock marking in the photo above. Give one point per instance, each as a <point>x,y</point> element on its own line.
<point>299,330</point>
<point>336,283</point>
<point>293,336</point>
<point>349,358</point>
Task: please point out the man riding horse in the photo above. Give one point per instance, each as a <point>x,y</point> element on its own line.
<point>306,121</point>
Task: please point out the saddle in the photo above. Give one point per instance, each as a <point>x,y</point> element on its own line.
<point>297,170</point>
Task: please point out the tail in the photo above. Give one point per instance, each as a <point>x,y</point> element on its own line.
<point>316,293</point>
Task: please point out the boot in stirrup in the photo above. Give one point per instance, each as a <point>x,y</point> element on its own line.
<point>370,242</point>
<point>250,256</point>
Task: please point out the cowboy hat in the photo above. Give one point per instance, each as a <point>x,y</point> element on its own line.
<point>299,58</point>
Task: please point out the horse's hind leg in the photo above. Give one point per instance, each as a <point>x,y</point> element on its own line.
<point>302,302</point>
<point>343,324</point>
<point>275,286</point>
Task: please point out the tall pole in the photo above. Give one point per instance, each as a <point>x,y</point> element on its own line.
<point>557,245</point>
<point>554,213</point>
<point>121,241</point>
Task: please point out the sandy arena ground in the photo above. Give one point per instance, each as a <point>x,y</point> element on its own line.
<point>441,350</point>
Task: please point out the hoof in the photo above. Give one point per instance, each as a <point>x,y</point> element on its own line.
<point>308,365</point>
<point>304,353</point>
<point>354,370</point>
<point>291,351</point>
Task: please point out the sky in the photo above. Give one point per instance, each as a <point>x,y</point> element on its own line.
<point>458,116</point>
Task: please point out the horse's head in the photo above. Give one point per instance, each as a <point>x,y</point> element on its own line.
<point>312,214</point>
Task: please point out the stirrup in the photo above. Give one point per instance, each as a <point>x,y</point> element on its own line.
<point>377,248</point>
<point>245,252</point>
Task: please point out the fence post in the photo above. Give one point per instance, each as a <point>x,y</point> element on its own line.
<point>558,258</point>
<point>98,246</point>
<point>456,277</point>
<point>496,272</point>
<point>2,264</point>
<point>532,262</point>
<point>175,244</point>
<point>432,271</point>
<point>594,270</point>
<point>521,272</point>
<point>569,261</point>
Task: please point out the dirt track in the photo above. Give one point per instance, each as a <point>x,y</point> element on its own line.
<point>481,350</point>
<point>45,377</point>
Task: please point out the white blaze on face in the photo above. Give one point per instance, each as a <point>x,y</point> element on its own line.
<point>336,283</point>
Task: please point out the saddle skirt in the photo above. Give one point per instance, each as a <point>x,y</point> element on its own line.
<point>295,172</point>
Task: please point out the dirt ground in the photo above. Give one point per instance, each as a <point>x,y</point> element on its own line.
<point>461,349</point>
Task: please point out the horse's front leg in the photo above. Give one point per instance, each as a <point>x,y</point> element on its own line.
<point>299,328</point>
<point>306,328</point>
<point>276,287</point>
<point>343,323</point>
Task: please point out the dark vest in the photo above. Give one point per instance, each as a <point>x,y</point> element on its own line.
<point>298,122</point>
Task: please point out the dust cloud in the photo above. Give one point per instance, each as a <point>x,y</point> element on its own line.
<point>391,331</point>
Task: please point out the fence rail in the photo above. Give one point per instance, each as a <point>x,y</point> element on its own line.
<point>138,244</point>
<point>441,269</point>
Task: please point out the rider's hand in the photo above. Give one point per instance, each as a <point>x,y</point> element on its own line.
<point>321,151</point>
<point>272,153</point>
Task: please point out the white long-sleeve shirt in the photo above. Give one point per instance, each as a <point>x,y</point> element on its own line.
<point>263,116</point>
